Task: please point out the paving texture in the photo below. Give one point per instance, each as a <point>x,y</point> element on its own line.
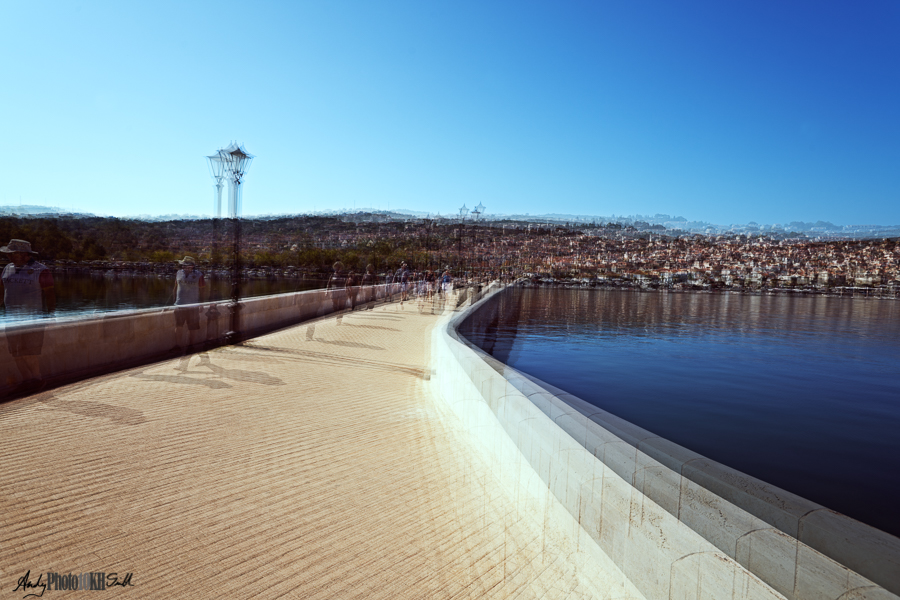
<point>309,463</point>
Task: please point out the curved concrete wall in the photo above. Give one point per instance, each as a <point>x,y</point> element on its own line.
<point>76,348</point>
<point>675,523</point>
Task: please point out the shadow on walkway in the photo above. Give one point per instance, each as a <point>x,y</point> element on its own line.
<point>346,361</point>
<point>213,384</point>
<point>117,414</point>
<point>346,344</point>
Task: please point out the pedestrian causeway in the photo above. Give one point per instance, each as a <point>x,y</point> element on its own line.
<point>313,462</point>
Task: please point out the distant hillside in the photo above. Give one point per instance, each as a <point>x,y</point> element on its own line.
<point>37,210</point>
<point>658,223</point>
<point>311,241</point>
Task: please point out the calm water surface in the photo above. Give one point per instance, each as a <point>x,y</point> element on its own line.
<point>85,294</point>
<point>801,392</point>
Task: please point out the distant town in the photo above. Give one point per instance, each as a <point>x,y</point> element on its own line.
<point>650,252</point>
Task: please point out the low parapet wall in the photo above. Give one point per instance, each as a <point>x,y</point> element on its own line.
<point>77,348</point>
<point>676,524</point>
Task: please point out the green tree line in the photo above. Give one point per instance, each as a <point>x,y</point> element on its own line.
<point>279,243</point>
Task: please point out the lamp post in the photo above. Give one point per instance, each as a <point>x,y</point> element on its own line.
<point>216,166</point>
<point>237,161</point>
<point>463,211</point>
<point>479,210</point>
<point>503,252</point>
<point>427,224</point>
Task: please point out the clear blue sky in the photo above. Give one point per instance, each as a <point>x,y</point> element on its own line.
<point>721,111</point>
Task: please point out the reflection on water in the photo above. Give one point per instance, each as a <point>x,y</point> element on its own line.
<point>801,392</point>
<point>80,294</point>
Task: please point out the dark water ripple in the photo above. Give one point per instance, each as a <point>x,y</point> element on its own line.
<point>801,392</point>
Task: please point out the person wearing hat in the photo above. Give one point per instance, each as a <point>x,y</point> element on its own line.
<point>188,283</point>
<point>26,287</point>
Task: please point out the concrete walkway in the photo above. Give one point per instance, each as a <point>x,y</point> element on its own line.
<point>309,463</point>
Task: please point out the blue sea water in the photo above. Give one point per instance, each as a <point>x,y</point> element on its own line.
<point>801,392</point>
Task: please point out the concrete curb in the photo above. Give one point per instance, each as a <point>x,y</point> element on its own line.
<point>77,348</point>
<point>670,519</point>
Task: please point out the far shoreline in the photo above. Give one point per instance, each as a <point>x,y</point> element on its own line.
<point>845,291</point>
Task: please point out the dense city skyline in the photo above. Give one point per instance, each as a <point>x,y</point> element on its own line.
<point>731,113</point>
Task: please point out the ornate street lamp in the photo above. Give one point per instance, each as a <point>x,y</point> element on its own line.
<point>237,161</point>
<point>216,166</point>
<point>479,210</point>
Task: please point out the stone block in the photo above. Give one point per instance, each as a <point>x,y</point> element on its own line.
<point>590,507</point>
<point>668,453</point>
<point>528,387</point>
<point>545,433</point>
<point>558,407</point>
<point>559,478</point>
<point>710,575</point>
<point>870,552</point>
<point>582,407</point>
<point>821,578</point>
<point>771,555</point>
<point>566,428</point>
<point>773,505</point>
<point>542,401</point>
<point>620,457</point>
<point>505,417</point>
<point>614,518</point>
<point>522,408</point>
<point>495,390</point>
<point>621,428</point>
<point>583,465</point>
<point>565,403</point>
<point>596,438</point>
<point>648,560</point>
<point>515,378</point>
<point>658,482</point>
<point>528,445</point>
<point>543,466</point>
<point>714,518</point>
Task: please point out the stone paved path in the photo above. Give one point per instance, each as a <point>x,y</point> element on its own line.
<point>309,463</point>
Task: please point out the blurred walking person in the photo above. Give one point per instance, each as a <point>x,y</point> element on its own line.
<point>446,283</point>
<point>188,285</point>
<point>353,290</point>
<point>403,276</point>
<point>429,283</point>
<point>368,287</point>
<point>389,286</point>
<point>337,290</point>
